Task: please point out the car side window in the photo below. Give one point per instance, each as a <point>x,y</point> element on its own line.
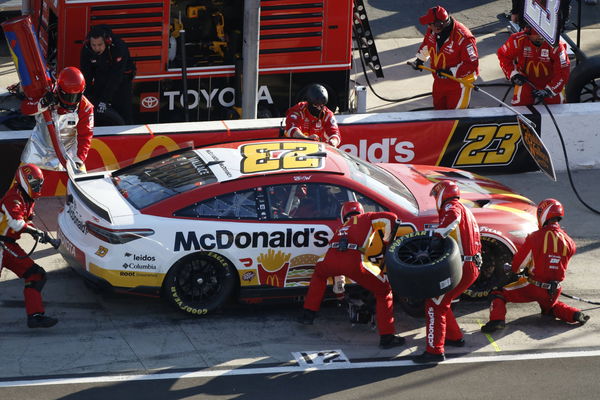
<point>302,201</point>
<point>368,204</point>
<point>236,205</point>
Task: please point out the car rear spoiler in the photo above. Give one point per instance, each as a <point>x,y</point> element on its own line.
<point>89,201</point>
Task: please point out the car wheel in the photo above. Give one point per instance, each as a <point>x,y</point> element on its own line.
<point>200,283</point>
<point>491,274</point>
<point>413,307</point>
<point>584,84</point>
<point>420,266</point>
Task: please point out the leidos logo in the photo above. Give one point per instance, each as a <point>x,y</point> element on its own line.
<point>489,145</point>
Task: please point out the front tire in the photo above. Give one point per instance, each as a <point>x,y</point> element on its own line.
<point>200,283</point>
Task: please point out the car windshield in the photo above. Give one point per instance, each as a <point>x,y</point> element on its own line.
<point>147,183</point>
<point>381,181</point>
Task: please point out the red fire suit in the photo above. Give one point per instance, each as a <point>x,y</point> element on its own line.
<point>459,54</point>
<point>16,212</point>
<point>324,128</point>
<point>75,130</point>
<point>360,230</point>
<point>550,249</point>
<point>440,321</point>
<point>546,67</point>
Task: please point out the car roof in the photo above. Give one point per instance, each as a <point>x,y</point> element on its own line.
<point>270,156</point>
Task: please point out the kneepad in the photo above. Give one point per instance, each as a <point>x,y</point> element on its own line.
<point>35,283</point>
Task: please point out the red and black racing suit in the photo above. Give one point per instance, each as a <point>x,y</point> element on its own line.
<point>324,127</point>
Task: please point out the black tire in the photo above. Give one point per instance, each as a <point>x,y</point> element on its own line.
<point>413,307</point>
<point>420,266</point>
<point>200,283</point>
<point>108,118</point>
<point>584,84</point>
<point>491,274</point>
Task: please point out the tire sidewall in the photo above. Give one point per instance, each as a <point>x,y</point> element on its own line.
<point>423,280</point>
<point>173,292</point>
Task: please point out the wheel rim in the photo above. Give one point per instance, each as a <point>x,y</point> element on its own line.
<point>200,280</point>
<point>422,251</point>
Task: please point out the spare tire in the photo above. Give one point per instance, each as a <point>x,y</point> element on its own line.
<point>583,85</point>
<point>421,266</point>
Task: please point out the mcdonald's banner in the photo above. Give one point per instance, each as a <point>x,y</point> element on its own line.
<point>476,140</point>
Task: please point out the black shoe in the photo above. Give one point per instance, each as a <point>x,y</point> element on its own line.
<point>389,341</point>
<point>580,317</point>
<point>307,317</point>
<point>493,326</point>
<point>455,343</point>
<point>427,357</point>
<point>40,321</point>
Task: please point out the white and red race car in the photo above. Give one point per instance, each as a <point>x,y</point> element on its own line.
<point>250,219</point>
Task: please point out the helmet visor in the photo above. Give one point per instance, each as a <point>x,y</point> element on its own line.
<point>69,98</point>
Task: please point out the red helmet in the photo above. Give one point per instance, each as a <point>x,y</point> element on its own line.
<point>437,13</point>
<point>70,87</point>
<point>31,179</point>
<point>350,208</point>
<point>549,209</point>
<point>443,191</point>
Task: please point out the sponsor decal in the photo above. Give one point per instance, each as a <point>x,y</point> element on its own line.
<point>384,151</point>
<point>76,218</point>
<point>149,102</point>
<point>430,327</point>
<point>489,145</point>
<point>225,239</point>
<point>248,276</point>
<point>101,252</point>
<point>536,148</point>
<point>273,267</point>
<point>223,96</point>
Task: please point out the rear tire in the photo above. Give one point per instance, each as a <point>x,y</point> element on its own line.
<point>584,84</point>
<point>200,283</point>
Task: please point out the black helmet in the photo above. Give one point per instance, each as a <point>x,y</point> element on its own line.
<point>317,95</point>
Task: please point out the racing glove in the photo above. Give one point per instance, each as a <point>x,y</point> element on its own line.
<point>417,64</point>
<point>314,137</point>
<point>439,73</point>
<point>48,100</point>
<point>542,93</point>
<point>101,108</point>
<point>518,79</point>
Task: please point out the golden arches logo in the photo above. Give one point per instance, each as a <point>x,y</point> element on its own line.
<point>110,161</point>
<point>555,238</point>
<point>536,67</point>
<point>438,60</point>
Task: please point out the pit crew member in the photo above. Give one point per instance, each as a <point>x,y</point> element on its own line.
<point>550,249</point>
<point>451,48</point>
<point>345,257</point>
<point>311,119</point>
<point>537,70</point>
<point>458,222</point>
<point>16,214</point>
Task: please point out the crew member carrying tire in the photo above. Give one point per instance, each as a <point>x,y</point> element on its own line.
<point>17,210</point>
<point>311,119</point>
<point>550,249</point>
<point>456,220</point>
<point>345,257</point>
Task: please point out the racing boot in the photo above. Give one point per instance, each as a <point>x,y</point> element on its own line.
<point>493,326</point>
<point>307,317</point>
<point>580,317</point>
<point>455,343</point>
<point>427,357</point>
<point>389,341</point>
<point>39,320</point>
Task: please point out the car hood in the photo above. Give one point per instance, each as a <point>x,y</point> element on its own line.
<point>480,194</point>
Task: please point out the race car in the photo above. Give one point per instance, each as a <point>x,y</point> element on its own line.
<point>248,220</point>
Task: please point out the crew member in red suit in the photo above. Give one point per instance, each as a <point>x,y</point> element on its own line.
<point>458,222</point>
<point>15,218</point>
<point>311,119</point>
<point>346,257</point>
<point>538,70</point>
<point>549,249</point>
<point>73,115</point>
<point>451,48</point>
